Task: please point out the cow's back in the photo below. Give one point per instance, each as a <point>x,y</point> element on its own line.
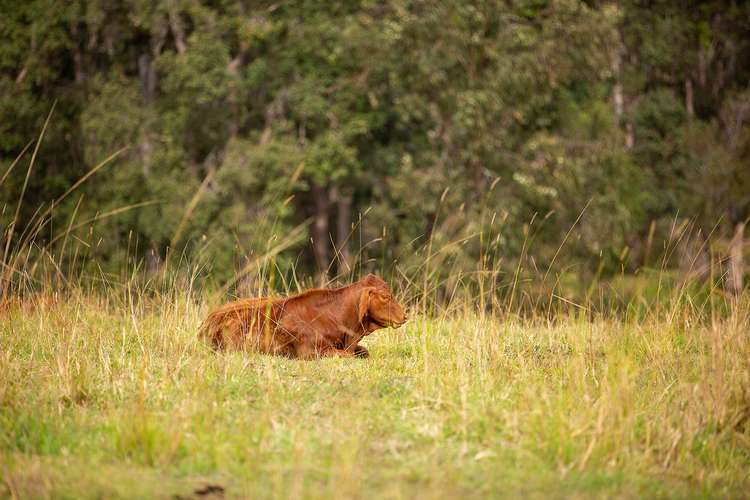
<point>245,323</point>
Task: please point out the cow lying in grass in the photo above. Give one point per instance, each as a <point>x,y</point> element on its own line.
<point>316,323</point>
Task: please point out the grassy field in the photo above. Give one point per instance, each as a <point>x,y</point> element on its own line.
<point>103,397</point>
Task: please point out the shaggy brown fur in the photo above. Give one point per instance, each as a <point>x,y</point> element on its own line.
<point>318,322</point>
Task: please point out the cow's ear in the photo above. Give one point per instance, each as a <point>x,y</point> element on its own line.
<point>364,303</point>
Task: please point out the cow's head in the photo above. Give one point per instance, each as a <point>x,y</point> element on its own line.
<point>378,305</point>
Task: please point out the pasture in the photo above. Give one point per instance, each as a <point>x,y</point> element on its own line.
<point>112,395</point>
<point>557,190</point>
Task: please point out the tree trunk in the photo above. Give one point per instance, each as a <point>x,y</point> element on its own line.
<point>343,229</point>
<point>234,118</point>
<point>736,262</point>
<point>147,72</point>
<point>178,32</point>
<point>689,97</point>
<point>629,135</point>
<point>618,99</point>
<point>702,66</point>
<point>618,90</point>
<point>80,75</point>
<point>320,232</point>
<point>153,261</point>
<point>78,58</point>
<point>695,262</point>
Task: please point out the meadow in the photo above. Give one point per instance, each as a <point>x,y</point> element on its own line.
<point>112,395</point>
<point>558,190</point>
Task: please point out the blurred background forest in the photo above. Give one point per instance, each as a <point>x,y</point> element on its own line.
<point>600,139</point>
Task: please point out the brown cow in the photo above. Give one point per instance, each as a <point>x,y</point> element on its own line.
<point>318,322</point>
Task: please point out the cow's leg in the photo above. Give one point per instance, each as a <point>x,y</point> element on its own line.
<point>313,352</point>
<point>340,353</point>
<point>309,343</point>
<point>361,351</point>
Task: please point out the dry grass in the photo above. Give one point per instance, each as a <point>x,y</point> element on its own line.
<point>108,396</point>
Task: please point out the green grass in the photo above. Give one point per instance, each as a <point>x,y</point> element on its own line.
<point>106,398</point>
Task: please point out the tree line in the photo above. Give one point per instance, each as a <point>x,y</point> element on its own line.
<point>360,133</point>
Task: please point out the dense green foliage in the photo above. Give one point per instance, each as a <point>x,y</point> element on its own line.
<point>375,127</point>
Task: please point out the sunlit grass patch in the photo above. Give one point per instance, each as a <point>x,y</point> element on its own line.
<point>457,405</point>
